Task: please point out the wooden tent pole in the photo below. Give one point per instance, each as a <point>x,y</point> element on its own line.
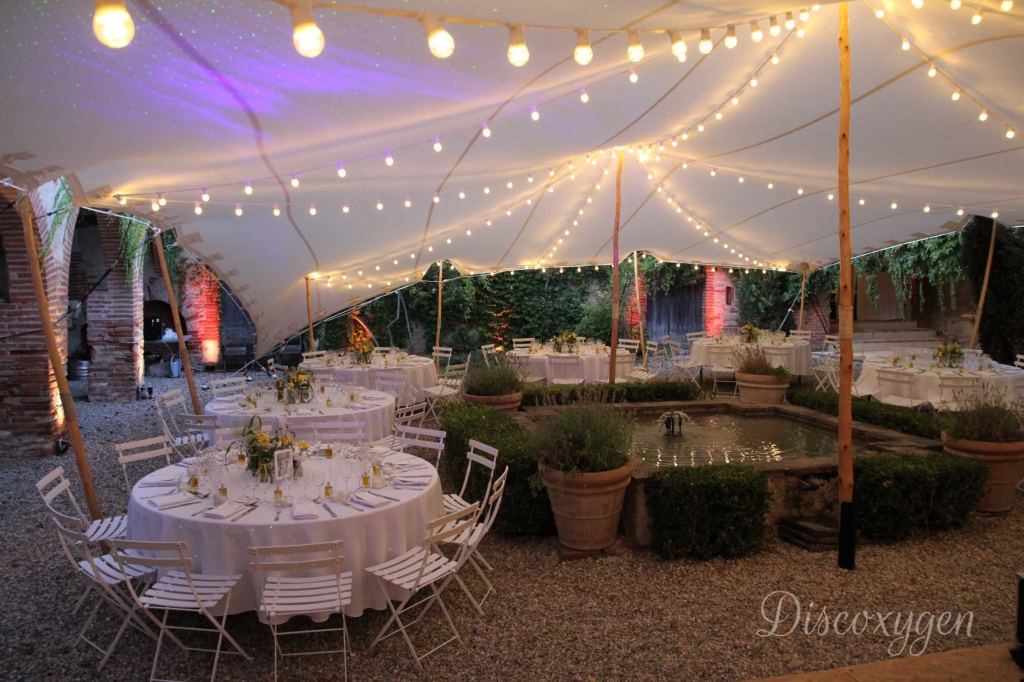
<point>639,310</point>
<point>847,510</point>
<point>67,402</point>
<point>437,334</point>
<point>803,293</point>
<point>309,315</point>
<point>186,361</point>
<point>614,345</point>
<point>984,285</point>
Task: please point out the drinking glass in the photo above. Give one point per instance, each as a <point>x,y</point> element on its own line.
<point>318,477</point>
<point>345,470</point>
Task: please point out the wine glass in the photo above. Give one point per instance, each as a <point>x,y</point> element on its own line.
<point>318,477</point>
<point>345,469</point>
<point>216,476</point>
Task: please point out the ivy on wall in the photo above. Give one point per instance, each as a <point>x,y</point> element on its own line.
<point>1002,321</point>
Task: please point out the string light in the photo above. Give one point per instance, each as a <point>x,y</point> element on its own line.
<point>678,45</point>
<point>804,15</point>
<point>238,210</point>
<point>862,201</point>
<point>518,53</point>
<point>312,209</point>
<point>635,51</point>
<point>344,208</point>
<point>995,214</point>
<point>800,190</point>
<point>380,205</point>
<point>773,27</point>
<point>893,205</point>
<point>437,197</point>
<point>918,4</point>
<point>341,170</point>
<point>121,200</point>
<point>775,58</point>
<point>954,4</point>
<point>439,41</point>
<point>932,71</point>
<point>112,24</point>
<point>976,19</point>
<point>160,200</point>
<point>927,209</point>
<point>584,97</point>
<point>632,76</point>
<point>584,53</point>
<point>790,23</point>
<point>487,190</point>
<point>437,144</point>
<point>248,187</point>
<point>755,32</point>
<point>388,159</point>
<point>199,209</point>
<point>485,131</point>
<point>277,210</point>
<point>959,211</point>
<point>956,94</point>
<point>1009,132</point>
<point>306,35</point>
<point>730,36</point>
<point>983,116</point>
<point>408,202</point>
<point>800,32</point>
<point>534,114</point>
<point>771,184</point>
<point>705,45</point>
<point>830,196</point>
<point>295,180</point>
<point>880,13</point>
<point>753,82</point>
<point>1006,5</point>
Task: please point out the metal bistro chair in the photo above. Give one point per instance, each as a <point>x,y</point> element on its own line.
<point>625,370</point>
<point>139,450</point>
<point>523,343</point>
<point>567,369</point>
<point>315,355</point>
<point>490,355</point>
<point>521,363</point>
<point>481,454</point>
<point>632,345</point>
<point>228,387</point>
<point>721,359</point>
<point>442,356</point>
<point>801,335</point>
<point>70,515</point>
<point>198,430</point>
<point>392,383</point>
<point>408,438</point>
<point>448,388</point>
<point>894,388</point>
<point>953,389</point>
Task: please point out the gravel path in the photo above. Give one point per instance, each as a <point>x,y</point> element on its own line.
<point>632,617</point>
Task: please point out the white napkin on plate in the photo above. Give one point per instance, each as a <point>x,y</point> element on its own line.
<point>224,511</point>
<point>159,480</point>
<point>305,510</point>
<point>406,482</point>
<point>165,501</point>
<point>367,500</point>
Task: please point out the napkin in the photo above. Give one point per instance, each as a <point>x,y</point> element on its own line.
<point>403,482</point>
<point>189,461</point>
<point>165,501</point>
<point>368,500</point>
<point>414,477</point>
<point>373,397</point>
<point>224,511</point>
<point>305,510</point>
<point>158,480</point>
<point>409,466</point>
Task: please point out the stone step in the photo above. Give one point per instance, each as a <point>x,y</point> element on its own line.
<point>894,336</point>
<point>884,326</point>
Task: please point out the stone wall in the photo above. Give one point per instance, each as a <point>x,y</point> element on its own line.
<point>200,309</point>
<point>720,312</point>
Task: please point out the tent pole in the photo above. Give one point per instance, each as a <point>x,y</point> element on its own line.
<point>67,402</point>
<point>309,314</point>
<point>186,361</point>
<point>639,314</point>
<point>437,334</point>
<point>984,285</point>
<point>614,345</point>
<point>847,509</point>
<point>803,293</point>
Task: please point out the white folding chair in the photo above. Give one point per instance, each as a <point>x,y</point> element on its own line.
<point>198,430</point>
<point>721,359</point>
<point>691,337</point>
<point>472,538</point>
<point>1019,362</point>
<point>777,355</point>
<point>652,361</point>
<point>481,454</point>
<point>305,427</point>
<point>801,335</point>
<point>271,368</point>
<point>287,590</point>
<point>522,343</point>
<point>632,345</point>
<point>448,388</point>
<point>50,488</point>
<point>825,368</point>
<point>178,590</point>
<point>830,344</point>
<point>314,355</point>
<point>566,369</point>
<point>521,363</point>
<point>409,440</point>
<point>625,370</point>
<point>894,388</point>
<point>442,356</point>
<point>140,450</point>
<point>383,350</point>
<point>341,430</point>
<point>409,415</point>
<point>424,567</point>
<point>393,383</point>
<point>169,405</point>
<point>104,578</point>
<point>228,387</point>
<point>953,389</point>
<point>489,353</point>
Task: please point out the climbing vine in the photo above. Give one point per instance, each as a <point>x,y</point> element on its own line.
<point>63,209</point>
<point>134,238</point>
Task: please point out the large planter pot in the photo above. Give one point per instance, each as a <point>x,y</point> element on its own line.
<point>587,506</point>
<point>505,403</point>
<point>1005,466</point>
<point>757,388</point>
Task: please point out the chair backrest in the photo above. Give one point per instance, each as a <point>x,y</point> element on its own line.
<point>693,336</point>
<point>485,456</point>
<point>442,355</point>
<point>411,415</point>
<point>804,335</point>
<point>314,355</point>
<point>830,343</point>
<point>198,429</point>
<point>50,487</point>
<point>524,342</point>
<point>1019,362</point>
<point>305,426</point>
<point>442,529</point>
<point>652,349</point>
<point>488,353</point>
<point>413,437</point>
<point>315,557</point>
<point>271,368</point>
<point>894,382</point>
<point>493,503</point>
<point>391,382</point>
<point>228,387</point>
<point>139,450</point>
<point>383,350</point>
<point>99,573</point>
<point>632,345</point>
<point>973,352</point>
<point>665,338</point>
<point>344,430</point>
<point>454,376</point>
<point>951,384</point>
<point>570,366</point>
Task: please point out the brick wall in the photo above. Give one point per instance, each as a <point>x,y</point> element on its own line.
<point>633,313</point>
<point>815,319</point>
<point>200,310</point>
<point>719,314</point>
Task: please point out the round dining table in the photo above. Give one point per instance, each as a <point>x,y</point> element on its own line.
<point>794,355</point>
<point>219,546</point>
<point>595,365</point>
<point>375,409</point>
<point>419,372</point>
<point>924,376</point>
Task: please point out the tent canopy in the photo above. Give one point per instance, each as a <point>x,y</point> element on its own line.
<point>213,95</point>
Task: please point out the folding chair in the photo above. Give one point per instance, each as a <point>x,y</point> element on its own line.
<point>1019,362</point>
<point>801,335</point>
<point>625,370</point>
<point>314,355</point>
<point>481,454</point>
<point>409,415</point>
<point>680,360</point>
<point>228,387</point>
<point>521,363</point>
<point>442,356</point>
<point>523,343</point>
<point>720,356</point>
<point>825,368</point>
<point>489,354</point>
<point>178,590</point>
<point>52,485</point>
<point>448,388</point>
<point>140,450</point>
<point>104,578</point>
<point>169,405</point>
<point>384,350</point>
<point>632,345</point>
<point>286,590</point>
<point>271,368</point>
<point>952,389</point>
<point>691,337</point>
<point>566,369</point>
<point>424,567</point>
<point>829,345</point>
<point>197,430</point>
<point>408,438</point>
<point>305,427</point>
<point>893,382</point>
<point>341,430</point>
<point>393,383</point>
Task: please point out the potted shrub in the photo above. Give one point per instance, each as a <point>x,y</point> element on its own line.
<point>585,466</point>
<point>990,430</point>
<point>757,380</point>
<point>498,385</point>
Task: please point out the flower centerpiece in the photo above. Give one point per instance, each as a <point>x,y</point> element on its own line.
<point>260,447</point>
<point>749,333</point>
<point>949,353</point>
<point>361,345</point>
<point>564,342</point>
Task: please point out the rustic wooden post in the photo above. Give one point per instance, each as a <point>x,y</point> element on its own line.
<point>847,509</point>
<point>639,310</point>
<point>803,292</point>
<point>67,402</point>
<point>186,361</point>
<point>614,345</point>
<point>984,286</point>
<point>309,315</point>
<point>437,334</point>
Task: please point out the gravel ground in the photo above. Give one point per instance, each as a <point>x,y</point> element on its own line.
<point>629,617</point>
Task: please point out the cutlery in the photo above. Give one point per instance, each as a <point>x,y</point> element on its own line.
<point>277,516</point>
<point>247,511</point>
<point>204,509</point>
<point>351,506</point>
<point>183,504</point>
<point>150,497</point>
<point>329,510</point>
<point>384,497</point>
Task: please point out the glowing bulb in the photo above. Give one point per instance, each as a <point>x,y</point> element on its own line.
<point>775,58</point>
<point>248,188</point>
<point>509,184</point>
<point>959,211</point>
<point>632,76</point>
<point>277,210</point>
<point>1009,132</point>
<point>880,13</point>
<point>918,4</point>
<point>341,170</point>
<point>804,15</point>
<point>927,209</point>
<point>295,180</point>
<point>312,209</point>
<point>306,35</point>
<point>735,100</point>
<point>437,198</point>
<point>730,36</point>
<point>112,24</point>
<point>534,114</point>
<point>740,179</point>
<point>830,196</point>
<point>861,202</point>
<point>344,208</point>
<point>983,116</point>
<point>439,41</point>
<point>1006,5</point>
<point>773,27</point>
<point>771,184</point>
<point>705,45</point>
<point>905,44</point>
<point>408,202</point>
<point>995,214</point>
<point>487,190</point>
<point>893,205</point>
<point>635,51</point>
<point>518,54</point>
<point>753,82</point>
<point>713,172</point>
<point>584,97</point>
<point>678,45</point>
<point>389,160</point>
<point>976,19</point>
<point>437,144</point>
<point>700,127</point>
<point>954,4</point>
<point>380,205</point>
<point>956,94</point>
<point>199,209</point>
<point>485,131</point>
<point>800,190</point>
<point>583,53</point>
<point>718,115</point>
<point>122,200</point>
<point>238,210</point>
<point>551,172</point>
<point>800,32</point>
<point>790,23</point>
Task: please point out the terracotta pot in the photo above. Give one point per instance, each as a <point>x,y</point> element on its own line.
<point>758,388</point>
<point>587,506</point>
<point>505,403</point>
<point>1005,466</point>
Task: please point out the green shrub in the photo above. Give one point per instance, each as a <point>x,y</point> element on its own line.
<point>902,495</point>
<point>648,392</point>
<point>902,419</point>
<point>987,417</point>
<point>496,379</point>
<point>524,509</point>
<point>707,511</point>
<point>585,438</point>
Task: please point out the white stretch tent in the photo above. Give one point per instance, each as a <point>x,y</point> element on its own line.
<point>213,95</point>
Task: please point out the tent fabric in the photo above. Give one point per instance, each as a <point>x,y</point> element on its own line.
<point>213,95</point>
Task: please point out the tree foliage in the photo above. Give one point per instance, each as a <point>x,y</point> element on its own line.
<point>1002,321</point>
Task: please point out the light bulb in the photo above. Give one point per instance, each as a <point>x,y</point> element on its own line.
<point>713,172</point>
<point>437,144</point>
<point>790,21</point>
<point>551,172</point>
<point>730,36</point>
<point>439,41</point>
<point>121,200</point>
<point>112,24</point>
<point>927,209</point>
<point>341,170</point>
<point>248,188</point>
<point>509,184</point>
<point>534,114</point>
<point>983,116</point>
<point>718,115</point>
<point>485,130</point>
<point>932,71</point>
<point>635,51</point>
<point>773,27</point>
<point>584,97</point>
<point>740,179</point>
<point>735,100</point>
<point>976,19</point>
<point>1009,132</point>
<point>755,32</point>
<point>918,4</point>
<point>295,180</point>
<point>830,196</point>
<point>775,58</point>
<point>771,184</point>
<point>880,13</point>
<point>487,190</point>
<point>800,190</point>
<point>1006,5</point>
<point>199,209</point>
<point>312,209</point>
<point>995,214</point>
<point>678,45</point>
<point>584,53</point>
<point>705,45</point>
<point>753,82</point>
<point>861,202</point>
<point>959,211</point>
<point>160,200</point>
<point>437,198</point>
<point>800,33</point>
<point>389,160</point>
<point>700,127</point>
<point>277,210</point>
<point>380,205</point>
<point>462,194</point>
<point>518,54</point>
<point>956,94</point>
<point>344,208</point>
<point>238,210</point>
<point>804,15</point>
<point>954,4</point>
<point>893,205</point>
<point>632,76</point>
<point>408,202</point>
<point>306,35</point>
<point>905,45</point>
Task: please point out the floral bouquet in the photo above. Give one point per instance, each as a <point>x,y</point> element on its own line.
<point>949,353</point>
<point>564,340</point>
<point>749,333</point>
<point>260,446</point>
<point>361,345</point>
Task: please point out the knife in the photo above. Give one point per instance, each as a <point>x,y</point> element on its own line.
<point>330,511</point>
<point>384,497</point>
<point>351,506</point>
<point>247,511</point>
<point>183,504</point>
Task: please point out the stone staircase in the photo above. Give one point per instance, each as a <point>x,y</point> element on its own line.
<point>887,334</point>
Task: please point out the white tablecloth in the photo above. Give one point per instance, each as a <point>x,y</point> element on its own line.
<point>220,546</point>
<point>419,373</point>
<point>595,367</point>
<point>924,382</point>
<point>375,409</point>
<point>794,355</point>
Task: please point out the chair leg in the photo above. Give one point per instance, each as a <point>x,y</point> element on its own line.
<point>81,600</point>
<point>440,602</point>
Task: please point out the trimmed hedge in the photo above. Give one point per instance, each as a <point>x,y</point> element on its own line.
<point>647,392</point>
<point>902,419</point>
<point>524,510</point>
<point>707,511</point>
<point>899,496</point>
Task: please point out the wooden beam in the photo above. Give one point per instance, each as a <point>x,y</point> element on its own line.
<point>437,334</point>
<point>67,402</point>
<point>309,315</point>
<point>186,361</point>
<point>639,310</point>
<point>614,345</point>
<point>803,293</point>
<point>984,286</point>
<point>847,511</point>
